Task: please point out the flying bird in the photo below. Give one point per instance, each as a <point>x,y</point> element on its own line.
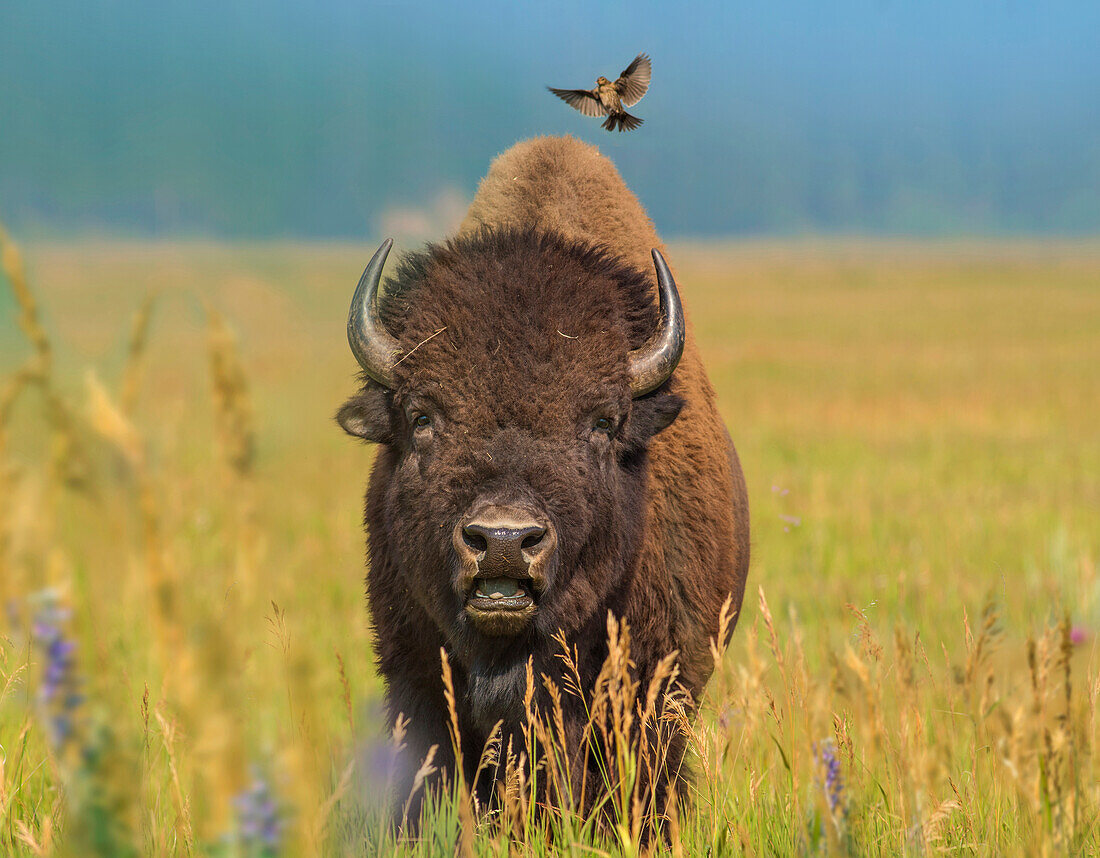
<point>608,99</point>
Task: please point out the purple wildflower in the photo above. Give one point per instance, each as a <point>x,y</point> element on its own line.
<point>831,779</point>
<point>59,694</point>
<point>377,760</point>
<point>259,823</point>
<point>791,521</point>
<point>1078,635</point>
<point>381,763</point>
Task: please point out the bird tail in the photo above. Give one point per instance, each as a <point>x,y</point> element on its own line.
<point>621,122</point>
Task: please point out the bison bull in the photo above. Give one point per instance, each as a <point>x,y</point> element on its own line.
<point>550,452</point>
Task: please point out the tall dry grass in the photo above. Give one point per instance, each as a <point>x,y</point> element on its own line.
<point>184,666</point>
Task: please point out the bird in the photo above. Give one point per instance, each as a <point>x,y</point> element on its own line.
<point>608,99</point>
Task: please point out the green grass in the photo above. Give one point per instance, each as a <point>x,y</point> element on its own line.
<point>920,429</point>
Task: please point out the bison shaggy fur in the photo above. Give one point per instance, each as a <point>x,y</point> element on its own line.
<point>513,389</point>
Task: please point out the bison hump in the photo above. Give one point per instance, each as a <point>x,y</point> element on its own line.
<point>561,184</point>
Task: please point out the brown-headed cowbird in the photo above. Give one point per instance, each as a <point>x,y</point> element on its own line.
<point>608,99</point>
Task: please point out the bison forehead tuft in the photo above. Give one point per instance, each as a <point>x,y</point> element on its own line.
<point>519,299</point>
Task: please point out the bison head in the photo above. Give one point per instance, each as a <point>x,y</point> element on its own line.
<point>515,379</point>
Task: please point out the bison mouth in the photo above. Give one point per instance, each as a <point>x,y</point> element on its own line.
<point>501,594</point>
<point>501,606</point>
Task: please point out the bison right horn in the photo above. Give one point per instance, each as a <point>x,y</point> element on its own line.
<point>653,363</point>
<point>370,342</point>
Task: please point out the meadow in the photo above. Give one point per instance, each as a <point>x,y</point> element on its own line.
<point>185,662</point>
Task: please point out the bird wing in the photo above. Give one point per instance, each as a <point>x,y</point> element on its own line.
<point>582,99</point>
<point>634,81</point>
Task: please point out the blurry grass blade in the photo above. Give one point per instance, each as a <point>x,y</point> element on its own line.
<point>135,355</point>
<point>111,422</point>
<point>232,404</point>
<point>12,261</point>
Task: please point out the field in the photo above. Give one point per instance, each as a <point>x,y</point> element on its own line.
<point>185,664</point>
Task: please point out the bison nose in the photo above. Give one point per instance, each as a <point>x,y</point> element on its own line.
<point>503,546</point>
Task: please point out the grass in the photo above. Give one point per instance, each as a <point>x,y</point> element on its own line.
<point>915,668</point>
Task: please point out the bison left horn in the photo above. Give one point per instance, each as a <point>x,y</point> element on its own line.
<point>370,342</point>
<point>653,363</point>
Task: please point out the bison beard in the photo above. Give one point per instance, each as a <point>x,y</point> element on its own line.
<point>548,458</point>
<point>496,692</point>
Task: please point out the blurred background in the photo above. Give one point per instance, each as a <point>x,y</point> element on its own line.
<point>343,118</point>
<point>884,218</point>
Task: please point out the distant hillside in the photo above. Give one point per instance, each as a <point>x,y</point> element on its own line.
<point>335,119</point>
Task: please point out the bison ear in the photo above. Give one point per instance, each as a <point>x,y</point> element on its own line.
<point>367,415</point>
<point>650,415</point>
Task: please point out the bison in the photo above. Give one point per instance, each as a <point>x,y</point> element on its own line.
<point>550,453</point>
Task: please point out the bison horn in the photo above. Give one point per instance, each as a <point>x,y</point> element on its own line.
<point>370,342</point>
<point>653,363</point>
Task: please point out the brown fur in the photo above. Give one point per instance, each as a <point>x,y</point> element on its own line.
<point>522,326</point>
<point>696,483</point>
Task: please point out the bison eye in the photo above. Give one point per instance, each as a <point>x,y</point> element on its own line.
<point>603,424</point>
<point>422,421</point>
